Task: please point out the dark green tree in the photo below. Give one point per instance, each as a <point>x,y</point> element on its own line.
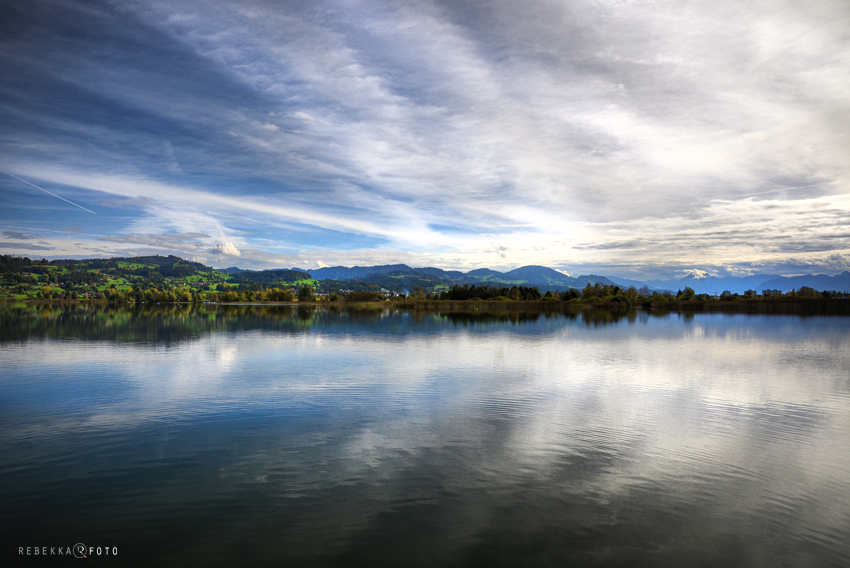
<point>305,294</point>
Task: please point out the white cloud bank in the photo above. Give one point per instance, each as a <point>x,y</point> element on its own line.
<point>226,248</point>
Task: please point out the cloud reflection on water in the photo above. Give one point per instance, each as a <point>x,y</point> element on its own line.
<point>668,433</point>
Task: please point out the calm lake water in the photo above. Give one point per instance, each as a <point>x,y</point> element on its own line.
<point>288,436</point>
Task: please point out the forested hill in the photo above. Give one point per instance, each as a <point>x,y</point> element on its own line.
<point>355,272</point>
<point>144,266</point>
<point>151,278</point>
<point>24,278</point>
<point>269,276</point>
<point>392,275</point>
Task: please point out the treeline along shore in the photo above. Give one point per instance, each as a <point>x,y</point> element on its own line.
<point>164,280</point>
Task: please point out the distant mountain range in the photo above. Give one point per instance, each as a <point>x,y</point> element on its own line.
<point>839,282</point>
<point>542,277</point>
<point>760,282</point>
<point>403,276</point>
<point>714,285</point>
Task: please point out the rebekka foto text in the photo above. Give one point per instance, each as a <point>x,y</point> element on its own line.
<point>79,550</point>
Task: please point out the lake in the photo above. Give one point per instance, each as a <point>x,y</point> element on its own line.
<point>278,435</point>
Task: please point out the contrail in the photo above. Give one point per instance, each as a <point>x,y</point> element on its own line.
<point>45,191</point>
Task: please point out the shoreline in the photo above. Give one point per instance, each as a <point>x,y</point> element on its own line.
<point>803,306</point>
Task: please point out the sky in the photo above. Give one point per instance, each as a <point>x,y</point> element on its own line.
<point>637,139</point>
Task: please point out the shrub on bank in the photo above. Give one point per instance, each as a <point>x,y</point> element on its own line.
<point>363,296</point>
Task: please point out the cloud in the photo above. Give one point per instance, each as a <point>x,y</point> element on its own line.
<point>167,240</point>
<point>711,134</point>
<point>833,263</point>
<point>226,248</point>
<point>502,250</point>
<point>122,202</point>
<point>321,264</point>
<point>23,246</point>
<point>837,262</point>
<point>19,236</point>
<point>696,273</point>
